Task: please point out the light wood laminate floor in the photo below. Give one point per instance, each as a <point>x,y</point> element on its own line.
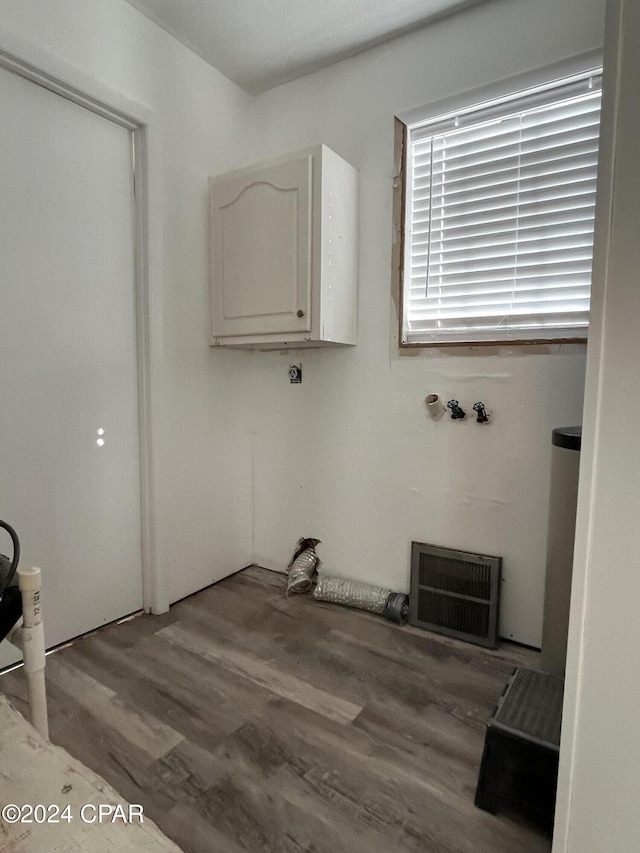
<point>245,721</point>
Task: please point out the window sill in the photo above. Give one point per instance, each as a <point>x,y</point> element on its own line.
<point>500,348</point>
<point>453,345</point>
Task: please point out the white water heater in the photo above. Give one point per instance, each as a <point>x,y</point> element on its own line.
<point>563,500</point>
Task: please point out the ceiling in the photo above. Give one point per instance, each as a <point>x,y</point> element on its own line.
<point>263,43</point>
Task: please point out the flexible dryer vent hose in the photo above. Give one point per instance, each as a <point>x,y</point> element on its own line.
<point>303,566</point>
<point>365,596</point>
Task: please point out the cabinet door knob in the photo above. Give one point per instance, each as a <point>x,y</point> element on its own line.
<point>300,312</point>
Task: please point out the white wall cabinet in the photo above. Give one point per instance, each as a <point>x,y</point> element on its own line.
<point>284,259</point>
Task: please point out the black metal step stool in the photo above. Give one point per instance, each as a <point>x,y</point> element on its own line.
<point>520,761</point>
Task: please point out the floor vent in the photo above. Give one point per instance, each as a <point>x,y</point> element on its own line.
<point>455,593</point>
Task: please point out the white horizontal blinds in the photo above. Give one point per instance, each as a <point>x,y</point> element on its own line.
<point>500,211</point>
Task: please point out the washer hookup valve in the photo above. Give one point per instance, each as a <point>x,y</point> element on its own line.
<point>457,414</point>
<point>483,417</point>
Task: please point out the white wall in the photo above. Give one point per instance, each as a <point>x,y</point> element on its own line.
<point>350,456</point>
<point>599,780</point>
<point>198,122</point>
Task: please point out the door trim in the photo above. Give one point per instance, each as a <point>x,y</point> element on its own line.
<point>148,306</point>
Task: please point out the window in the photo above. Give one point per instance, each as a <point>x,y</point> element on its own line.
<point>500,202</point>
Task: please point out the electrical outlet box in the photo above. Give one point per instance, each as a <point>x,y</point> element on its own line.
<point>295,374</point>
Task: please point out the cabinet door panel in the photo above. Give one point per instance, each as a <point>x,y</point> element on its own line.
<point>261,250</point>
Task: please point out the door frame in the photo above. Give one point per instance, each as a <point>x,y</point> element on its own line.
<point>29,62</point>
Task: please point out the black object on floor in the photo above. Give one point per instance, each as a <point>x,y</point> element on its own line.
<point>519,767</point>
<point>10,595</point>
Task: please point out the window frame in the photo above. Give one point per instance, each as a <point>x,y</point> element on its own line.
<point>504,90</point>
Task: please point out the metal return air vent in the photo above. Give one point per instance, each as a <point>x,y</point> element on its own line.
<point>455,593</point>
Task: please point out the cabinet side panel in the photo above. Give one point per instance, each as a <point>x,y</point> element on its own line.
<point>339,297</point>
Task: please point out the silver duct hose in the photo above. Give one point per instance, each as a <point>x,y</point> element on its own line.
<point>303,566</point>
<point>358,594</point>
<point>365,596</point>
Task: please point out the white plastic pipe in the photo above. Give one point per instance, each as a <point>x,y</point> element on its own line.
<point>30,639</point>
<point>434,405</point>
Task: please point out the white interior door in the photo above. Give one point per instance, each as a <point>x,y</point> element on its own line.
<point>69,441</point>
